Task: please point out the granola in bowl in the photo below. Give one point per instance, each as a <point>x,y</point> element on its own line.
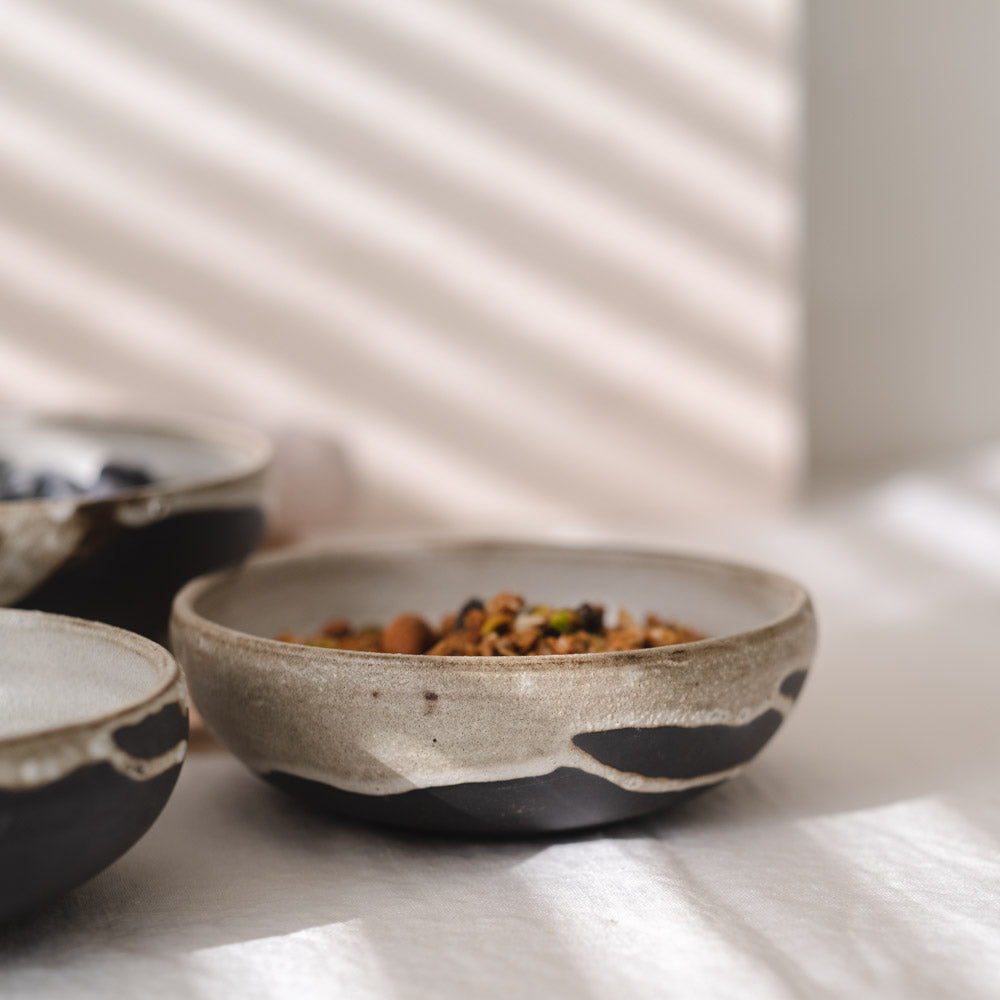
<point>505,625</point>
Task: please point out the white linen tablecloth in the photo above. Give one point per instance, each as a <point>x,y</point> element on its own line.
<point>858,857</point>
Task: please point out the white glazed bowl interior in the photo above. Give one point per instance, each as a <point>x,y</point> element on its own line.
<point>174,453</point>
<point>60,672</point>
<point>373,586</point>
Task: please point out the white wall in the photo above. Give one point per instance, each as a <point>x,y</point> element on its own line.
<point>526,262</point>
<point>903,229</point>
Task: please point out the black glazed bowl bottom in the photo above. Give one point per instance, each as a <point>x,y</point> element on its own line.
<point>564,800</point>
<point>130,580</point>
<point>93,733</point>
<point>54,838</point>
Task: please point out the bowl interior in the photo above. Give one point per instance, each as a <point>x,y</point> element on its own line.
<point>301,591</point>
<point>57,672</point>
<point>78,447</point>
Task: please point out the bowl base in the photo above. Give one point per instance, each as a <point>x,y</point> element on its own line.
<point>565,799</point>
<point>53,838</point>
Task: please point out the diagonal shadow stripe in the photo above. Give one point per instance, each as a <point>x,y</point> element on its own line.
<point>761,27</point>
<point>550,356</point>
<point>571,117</point>
<point>518,234</point>
<point>359,379</point>
<point>445,275</point>
<point>368,265</point>
<point>566,30</point>
<point>533,125</point>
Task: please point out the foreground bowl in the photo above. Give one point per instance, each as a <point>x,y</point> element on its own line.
<point>121,558</point>
<point>93,730</point>
<point>492,744</point>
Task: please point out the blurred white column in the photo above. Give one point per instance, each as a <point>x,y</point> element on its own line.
<point>903,208</point>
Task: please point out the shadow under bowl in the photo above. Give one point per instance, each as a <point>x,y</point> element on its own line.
<point>492,745</point>
<point>93,731</point>
<point>121,558</point>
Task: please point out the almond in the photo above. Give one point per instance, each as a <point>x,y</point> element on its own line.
<point>407,634</point>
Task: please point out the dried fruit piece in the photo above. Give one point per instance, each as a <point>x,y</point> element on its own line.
<point>591,617</point>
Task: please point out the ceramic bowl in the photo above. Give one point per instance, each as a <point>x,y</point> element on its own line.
<point>93,730</point>
<point>121,558</point>
<point>492,744</point>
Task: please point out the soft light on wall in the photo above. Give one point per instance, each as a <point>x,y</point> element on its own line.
<point>529,263</point>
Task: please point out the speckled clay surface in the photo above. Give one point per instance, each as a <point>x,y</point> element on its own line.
<point>87,557</point>
<point>493,743</point>
<point>93,731</point>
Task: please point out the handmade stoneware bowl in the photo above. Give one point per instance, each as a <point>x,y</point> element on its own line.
<point>492,744</point>
<point>120,557</point>
<point>93,730</point>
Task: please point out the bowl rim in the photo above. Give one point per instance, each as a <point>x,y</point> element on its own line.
<point>256,448</point>
<point>163,661</point>
<point>183,613</point>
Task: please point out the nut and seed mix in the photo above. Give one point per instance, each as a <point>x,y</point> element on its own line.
<point>505,625</point>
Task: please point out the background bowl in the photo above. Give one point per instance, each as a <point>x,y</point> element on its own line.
<point>121,558</point>
<point>93,730</point>
<point>492,744</point>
